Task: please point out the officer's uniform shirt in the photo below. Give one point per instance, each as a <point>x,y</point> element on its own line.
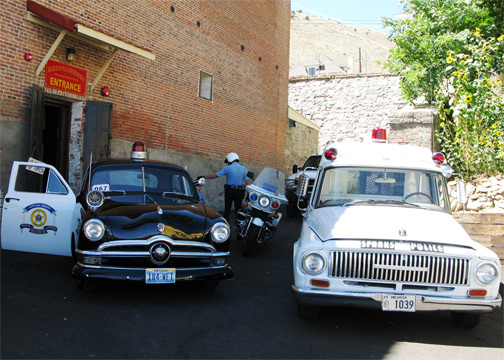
<point>235,173</point>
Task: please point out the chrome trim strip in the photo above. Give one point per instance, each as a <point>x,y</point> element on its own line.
<point>143,268</point>
<point>157,238</point>
<point>147,254</point>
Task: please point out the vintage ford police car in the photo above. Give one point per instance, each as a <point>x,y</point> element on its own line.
<point>133,220</point>
<point>378,233</point>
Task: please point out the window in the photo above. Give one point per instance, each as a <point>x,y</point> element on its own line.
<point>392,186</point>
<point>205,85</point>
<point>45,183</point>
<point>155,180</point>
<point>312,71</point>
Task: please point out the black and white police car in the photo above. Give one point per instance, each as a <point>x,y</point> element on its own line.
<point>134,219</point>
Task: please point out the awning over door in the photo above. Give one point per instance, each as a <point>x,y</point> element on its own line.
<point>49,18</point>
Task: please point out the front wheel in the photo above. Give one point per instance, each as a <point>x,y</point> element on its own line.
<point>250,239</point>
<point>308,311</point>
<point>87,285</point>
<point>465,320</point>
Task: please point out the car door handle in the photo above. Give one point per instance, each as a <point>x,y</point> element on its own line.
<point>9,199</point>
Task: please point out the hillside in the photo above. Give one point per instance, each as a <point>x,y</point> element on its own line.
<point>312,36</point>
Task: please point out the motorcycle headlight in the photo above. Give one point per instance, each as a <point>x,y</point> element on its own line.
<point>290,182</point>
<point>264,201</point>
<point>486,273</point>
<point>94,229</point>
<point>220,232</point>
<point>313,263</point>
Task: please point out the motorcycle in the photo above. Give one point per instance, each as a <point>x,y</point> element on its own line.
<point>257,220</point>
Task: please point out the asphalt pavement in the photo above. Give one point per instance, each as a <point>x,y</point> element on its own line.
<point>252,316</point>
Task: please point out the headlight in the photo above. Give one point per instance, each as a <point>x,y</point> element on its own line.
<point>220,232</point>
<point>94,229</point>
<point>313,263</point>
<point>486,273</point>
<point>290,182</point>
<point>264,201</point>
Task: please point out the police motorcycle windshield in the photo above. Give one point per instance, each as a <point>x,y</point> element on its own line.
<point>270,180</point>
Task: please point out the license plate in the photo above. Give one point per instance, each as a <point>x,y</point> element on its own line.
<point>399,303</point>
<point>159,276</point>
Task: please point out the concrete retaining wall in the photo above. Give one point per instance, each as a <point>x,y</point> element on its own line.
<point>487,229</point>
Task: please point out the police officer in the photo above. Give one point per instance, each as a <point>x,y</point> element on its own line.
<point>236,179</point>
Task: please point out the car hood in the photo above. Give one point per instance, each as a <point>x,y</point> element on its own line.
<point>387,222</point>
<point>176,218</point>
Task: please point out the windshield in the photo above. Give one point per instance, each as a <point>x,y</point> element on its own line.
<point>312,162</point>
<point>136,179</point>
<point>271,180</point>
<point>349,186</point>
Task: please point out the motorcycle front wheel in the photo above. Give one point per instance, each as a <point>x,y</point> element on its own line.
<point>250,239</point>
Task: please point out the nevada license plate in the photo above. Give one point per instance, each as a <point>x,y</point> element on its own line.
<point>399,303</point>
<point>159,276</point>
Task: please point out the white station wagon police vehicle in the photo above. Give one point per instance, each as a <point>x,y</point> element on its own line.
<point>378,233</point>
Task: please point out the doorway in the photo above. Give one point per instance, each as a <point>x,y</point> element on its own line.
<point>50,130</point>
<point>56,134</point>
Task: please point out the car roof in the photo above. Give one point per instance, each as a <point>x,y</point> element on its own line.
<point>129,161</point>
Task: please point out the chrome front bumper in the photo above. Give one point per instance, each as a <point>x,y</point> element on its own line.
<point>374,300</point>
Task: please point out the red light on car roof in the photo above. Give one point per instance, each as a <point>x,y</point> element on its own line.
<point>379,134</point>
<point>331,153</point>
<point>138,152</point>
<point>438,158</point>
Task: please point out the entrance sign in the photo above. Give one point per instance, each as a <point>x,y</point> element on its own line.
<point>65,77</point>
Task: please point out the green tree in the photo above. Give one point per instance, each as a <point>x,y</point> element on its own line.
<point>448,53</point>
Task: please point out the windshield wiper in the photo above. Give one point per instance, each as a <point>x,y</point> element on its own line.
<point>359,202</point>
<point>378,202</point>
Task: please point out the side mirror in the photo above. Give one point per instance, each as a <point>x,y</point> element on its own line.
<point>461,192</point>
<point>447,171</point>
<point>250,175</point>
<point>200,181</point>
<point>294,169</point>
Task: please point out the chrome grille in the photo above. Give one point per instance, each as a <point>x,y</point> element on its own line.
<point>404,268</point>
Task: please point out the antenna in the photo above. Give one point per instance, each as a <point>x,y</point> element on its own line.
<point>90,163</point>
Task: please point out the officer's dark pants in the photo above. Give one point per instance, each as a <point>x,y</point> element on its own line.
<point>232,196</point>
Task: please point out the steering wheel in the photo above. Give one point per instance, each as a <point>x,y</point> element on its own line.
<point>420,193</point>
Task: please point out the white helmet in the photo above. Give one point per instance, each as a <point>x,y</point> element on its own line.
<point>231,157</point>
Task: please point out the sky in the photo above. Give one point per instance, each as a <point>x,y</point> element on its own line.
<point>363,13</point>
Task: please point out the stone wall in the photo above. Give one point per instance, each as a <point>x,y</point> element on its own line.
<point>484,194</point>
<point>349,107</point>
<point>301,141</point>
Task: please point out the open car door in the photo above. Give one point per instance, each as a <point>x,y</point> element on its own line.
<point>40,213</point>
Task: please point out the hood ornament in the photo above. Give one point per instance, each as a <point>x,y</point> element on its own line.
<point>160,227</point>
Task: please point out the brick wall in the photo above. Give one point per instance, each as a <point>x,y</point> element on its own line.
<point>157,101</point>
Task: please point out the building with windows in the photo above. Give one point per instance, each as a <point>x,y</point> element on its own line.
<point>192,79</point>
